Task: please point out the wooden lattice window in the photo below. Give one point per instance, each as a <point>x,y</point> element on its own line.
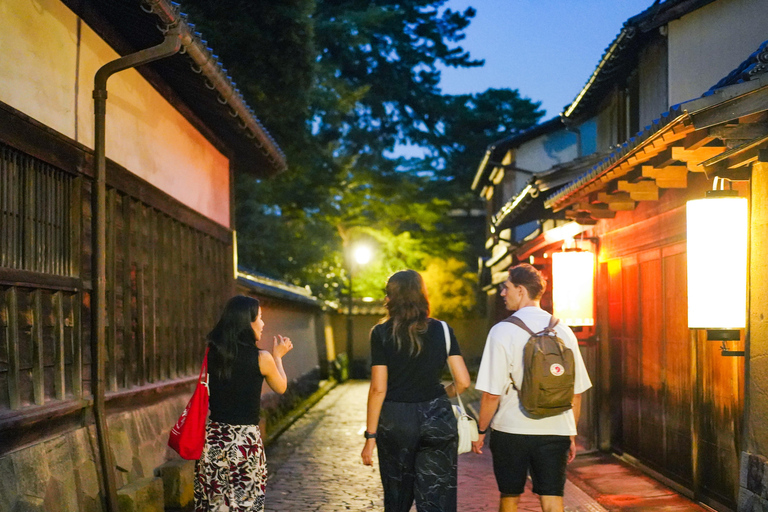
<point>35,214</point>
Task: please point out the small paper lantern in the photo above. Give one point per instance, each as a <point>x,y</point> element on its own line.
<point>573,287</point>
<point>717,261</point>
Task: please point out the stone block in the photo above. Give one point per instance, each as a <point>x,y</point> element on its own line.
<point>751,502</point>
<point>8,489</point>
<point>61,492</point>
<point>755,473</point>
<point>178,483</point>
<point>82,444</point>
<point>122,445</point>
<point>30,467</point>
<point>142,495</point>
<point>29,504</point>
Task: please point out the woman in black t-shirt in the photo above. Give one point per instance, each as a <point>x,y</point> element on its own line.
<point>410,419</point>
<point>232,473</point>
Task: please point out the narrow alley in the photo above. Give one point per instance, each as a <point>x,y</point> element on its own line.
<point>315,466</point>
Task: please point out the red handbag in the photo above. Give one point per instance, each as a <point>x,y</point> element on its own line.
<point>188,434</point>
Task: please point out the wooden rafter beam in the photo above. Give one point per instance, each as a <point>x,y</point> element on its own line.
<point>670,176</point>
<point>618,202</point>
<point>741,131</point>
<point>694,157</point>
<point>640,191</point>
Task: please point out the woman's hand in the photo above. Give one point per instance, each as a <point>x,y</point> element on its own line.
<point>368,452</point>
<point>281,346</point>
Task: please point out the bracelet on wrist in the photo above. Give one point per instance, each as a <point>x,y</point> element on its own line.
<point>369,435</point>
<point>482,432</point>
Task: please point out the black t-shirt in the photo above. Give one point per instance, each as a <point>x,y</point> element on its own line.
<point>412,378</point>
<point>237,400</point>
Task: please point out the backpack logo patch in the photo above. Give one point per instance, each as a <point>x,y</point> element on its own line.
<point>557,370</point>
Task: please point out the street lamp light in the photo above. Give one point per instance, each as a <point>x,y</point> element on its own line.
<point>361,254</point>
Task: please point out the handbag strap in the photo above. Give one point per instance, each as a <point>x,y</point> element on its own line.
<point>448,353</point>
<point>202,379</point>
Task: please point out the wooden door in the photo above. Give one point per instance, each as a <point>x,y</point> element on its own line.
<point>680,401</point>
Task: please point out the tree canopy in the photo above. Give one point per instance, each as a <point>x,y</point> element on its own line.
<point>342,84</point>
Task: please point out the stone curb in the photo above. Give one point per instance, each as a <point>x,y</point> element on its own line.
<point>298,412</point>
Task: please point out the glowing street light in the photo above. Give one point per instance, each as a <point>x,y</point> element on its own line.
<point>361,255</point>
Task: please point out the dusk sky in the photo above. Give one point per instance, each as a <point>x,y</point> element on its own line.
<point>547,49</point>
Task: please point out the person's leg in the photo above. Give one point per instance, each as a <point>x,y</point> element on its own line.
<point>510,466</point>
<point>396,442</point>
<point>436,458</point>
<point>548,462</point>
<point>551,503</point>
<point>508,503</point>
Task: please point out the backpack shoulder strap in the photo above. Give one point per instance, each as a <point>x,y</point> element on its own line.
<point>515,320</point>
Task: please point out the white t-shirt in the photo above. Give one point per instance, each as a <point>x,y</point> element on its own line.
<point>504,353</point>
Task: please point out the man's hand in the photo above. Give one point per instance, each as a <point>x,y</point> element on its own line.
<point>572,450</point>
<point>477,446</point>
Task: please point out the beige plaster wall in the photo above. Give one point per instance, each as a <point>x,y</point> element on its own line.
<point>47,73</point>
<point>707,44</point>
<point>39,62</point>
<point>300,326</point>
<point>757,392</point>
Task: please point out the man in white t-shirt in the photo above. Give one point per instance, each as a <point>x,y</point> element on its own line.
<point>519,443</point>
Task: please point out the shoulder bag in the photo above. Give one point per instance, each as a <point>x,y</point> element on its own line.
<point>466,424</point>
<point>188,434</point>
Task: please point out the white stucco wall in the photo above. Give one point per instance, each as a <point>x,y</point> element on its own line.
<point>543,152</point>
<point>47,73</point>
<point>707,44</point>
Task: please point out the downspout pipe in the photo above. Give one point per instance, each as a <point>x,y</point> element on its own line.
<point>168,47</point>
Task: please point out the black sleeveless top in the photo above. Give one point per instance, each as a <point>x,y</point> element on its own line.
<point>237,400</point>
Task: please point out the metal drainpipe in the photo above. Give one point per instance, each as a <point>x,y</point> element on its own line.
<point>168,47</point>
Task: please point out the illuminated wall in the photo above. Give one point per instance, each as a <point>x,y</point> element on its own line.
<point>50,59</point>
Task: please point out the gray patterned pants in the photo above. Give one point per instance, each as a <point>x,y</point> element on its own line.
<point>418,452</point>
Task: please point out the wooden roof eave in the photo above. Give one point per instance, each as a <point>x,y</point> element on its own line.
<point>691,124</point>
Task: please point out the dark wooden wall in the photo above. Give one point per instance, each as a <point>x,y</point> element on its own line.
<point>169,271</point>
<point>675,403</point>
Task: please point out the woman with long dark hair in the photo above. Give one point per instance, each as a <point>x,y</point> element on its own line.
<point>232,473</point>
<point>410,419</point>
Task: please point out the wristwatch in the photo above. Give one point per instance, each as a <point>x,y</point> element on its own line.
<point>369,435</point>
<point>482,432</point>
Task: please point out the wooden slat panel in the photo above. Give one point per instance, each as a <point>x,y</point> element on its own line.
<point>77,345</point>
<point>632,357</point>
<point>58,372</point>
<point>112,282</point>
<point>38,383</point>
<point>652,442</point>
<point>128,358</point>
<point>678,391</point>
<point>152,281</point>
<point>141,352</point>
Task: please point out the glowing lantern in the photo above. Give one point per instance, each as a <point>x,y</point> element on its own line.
<point>573,287</point>
<point>717,261</point>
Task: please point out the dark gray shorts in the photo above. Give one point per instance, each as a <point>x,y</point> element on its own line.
<point>514,455</point>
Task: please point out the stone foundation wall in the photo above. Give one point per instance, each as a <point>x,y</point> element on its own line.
<point>61,473</point>
<point>753,483</point>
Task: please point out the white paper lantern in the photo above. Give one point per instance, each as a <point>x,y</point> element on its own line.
<point>573,287</point>
<point>717,261</point>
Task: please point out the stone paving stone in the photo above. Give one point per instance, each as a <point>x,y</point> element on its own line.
<point>315,465</point>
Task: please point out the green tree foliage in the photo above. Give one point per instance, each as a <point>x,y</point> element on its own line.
<point>451,287</point>
<point>340,83</point>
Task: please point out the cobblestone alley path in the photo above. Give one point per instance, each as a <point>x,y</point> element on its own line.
<point>315,465</point>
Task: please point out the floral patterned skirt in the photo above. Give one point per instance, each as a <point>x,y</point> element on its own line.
<point>231,474</point>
